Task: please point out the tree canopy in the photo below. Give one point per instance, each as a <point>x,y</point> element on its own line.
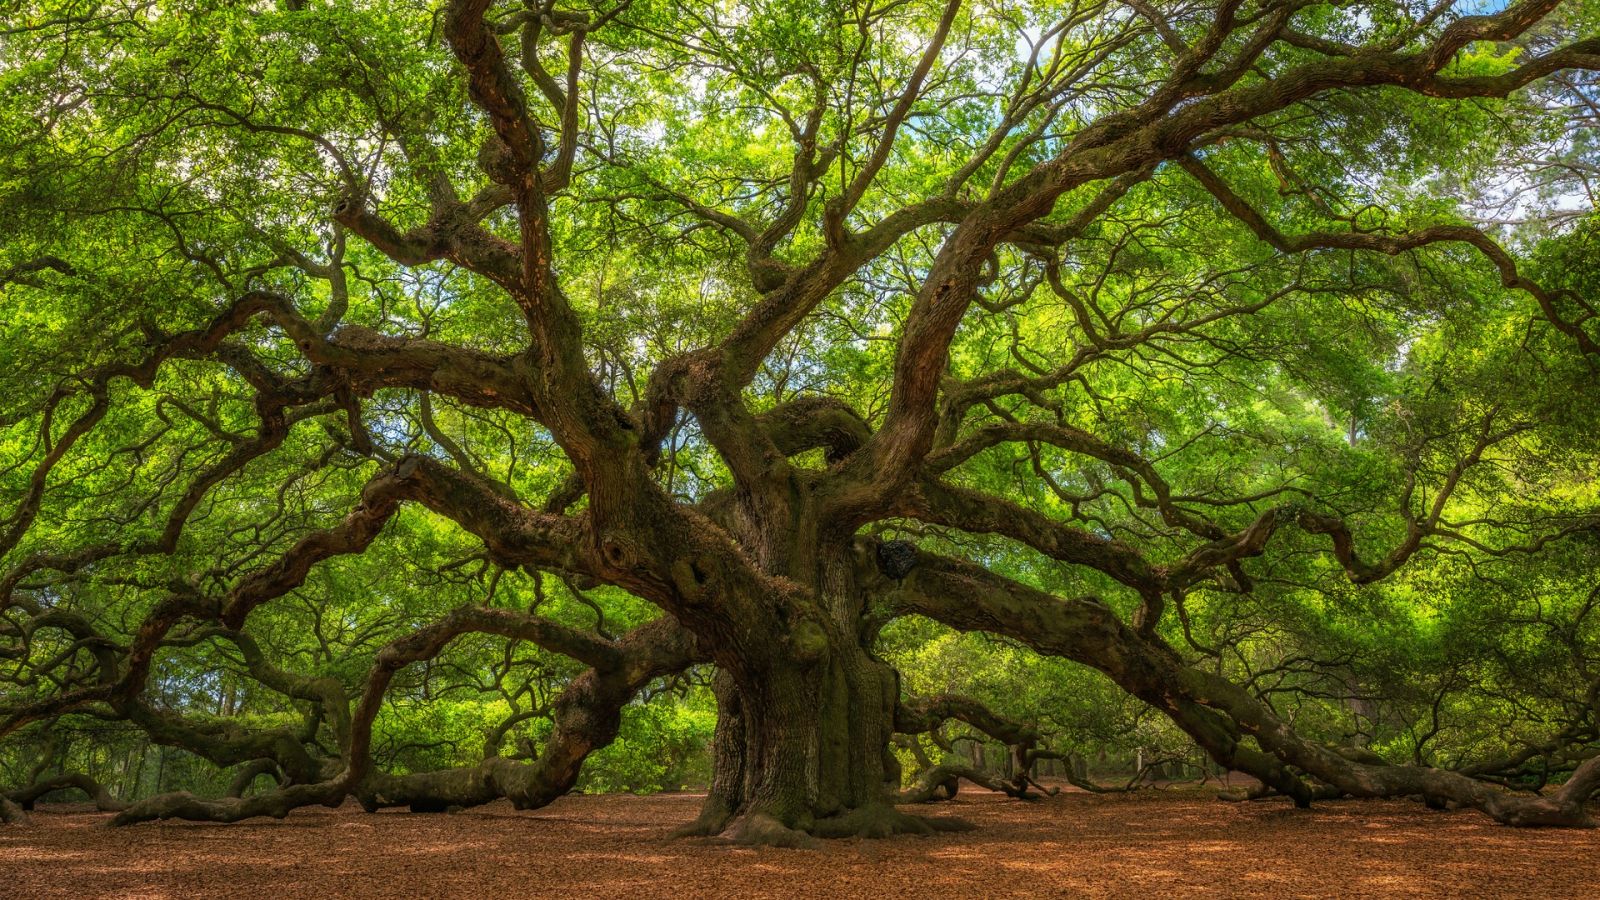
<point>411,401</point>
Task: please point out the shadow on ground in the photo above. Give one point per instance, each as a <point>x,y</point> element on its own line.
<point>1166,843</point>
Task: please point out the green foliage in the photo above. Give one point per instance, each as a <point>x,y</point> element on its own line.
<point>173,156</point>
<point>661,747</point>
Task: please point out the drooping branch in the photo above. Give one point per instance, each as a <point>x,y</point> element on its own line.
<point>587,715</point>
<point>379,501</point>
<point>1213,710</point>
<point>27,795</point>
<point>926,714</point>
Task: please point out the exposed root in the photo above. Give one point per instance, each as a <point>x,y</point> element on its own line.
<point>13,814</point>
<point>949,824</point>
<point>871,822</point>
<point>762,830</point>
<point>883,820</point>
<point>712,821</point>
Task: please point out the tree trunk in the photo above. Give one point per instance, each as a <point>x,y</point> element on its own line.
<point>802,747</point>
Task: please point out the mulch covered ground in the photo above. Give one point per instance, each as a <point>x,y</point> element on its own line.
<point>1154,844</point>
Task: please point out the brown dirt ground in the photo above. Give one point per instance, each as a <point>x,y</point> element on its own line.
<point>1156,843</point>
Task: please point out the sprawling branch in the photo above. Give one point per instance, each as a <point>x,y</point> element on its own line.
<point>1213,710</point>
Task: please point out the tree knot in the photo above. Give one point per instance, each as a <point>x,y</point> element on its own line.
<point>896,559</point>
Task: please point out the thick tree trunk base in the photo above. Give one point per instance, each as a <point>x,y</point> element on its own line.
<point>762,830</point>
<point>759,829</point>
<point>712,821</point>
<point>885,821</point>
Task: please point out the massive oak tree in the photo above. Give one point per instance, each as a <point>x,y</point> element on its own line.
<point>1088,325</point>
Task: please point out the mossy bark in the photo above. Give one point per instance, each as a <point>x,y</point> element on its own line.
<point>803,735</point>
<point>802,746</point>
